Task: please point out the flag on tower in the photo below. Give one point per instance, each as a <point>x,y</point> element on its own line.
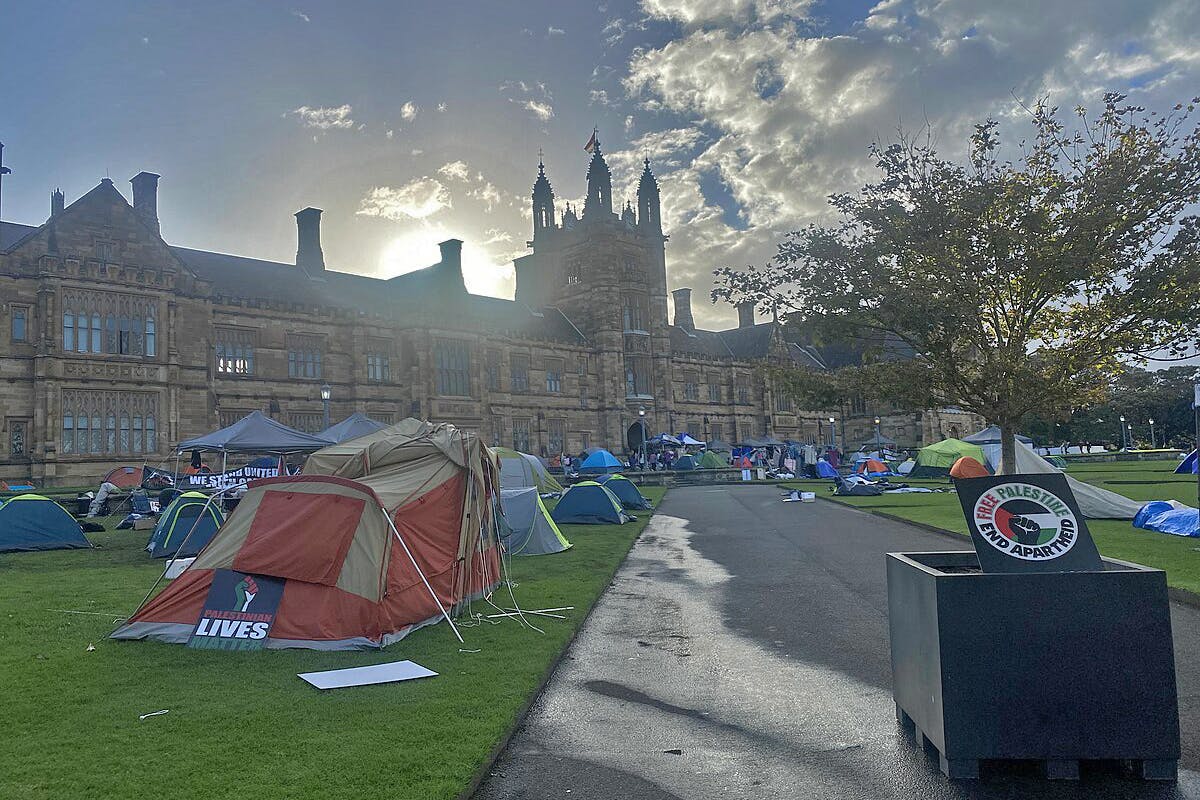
<point>591,143</point>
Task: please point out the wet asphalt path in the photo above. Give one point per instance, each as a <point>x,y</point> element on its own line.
<point>742,653</point>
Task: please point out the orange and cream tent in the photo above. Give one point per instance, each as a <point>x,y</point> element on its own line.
<point>379,536</point>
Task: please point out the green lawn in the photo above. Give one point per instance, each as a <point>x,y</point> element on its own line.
<point>1138,480</point>
<point>243,724</point>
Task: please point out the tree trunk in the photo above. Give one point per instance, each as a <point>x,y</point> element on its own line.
<point>1008,447</point>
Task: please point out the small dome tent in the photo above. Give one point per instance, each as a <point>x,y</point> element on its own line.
<point>34,522</point>
<point>936,460</point>
<point>186,525</point>
<point>684,463</point>
<point>1189,465</point>
<point>528,529</point>
<point>521,470</point>
<point>625,490</point>
<point>589,503</point>
<point>710,460</point>
<point>600,461</point>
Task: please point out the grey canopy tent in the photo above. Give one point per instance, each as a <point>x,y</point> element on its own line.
<point>528,529</point>
<point>254,433</point>
<point>351,427</point>
<point>990,442</point>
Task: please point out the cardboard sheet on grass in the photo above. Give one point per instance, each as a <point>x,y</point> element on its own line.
<point>367,676</point>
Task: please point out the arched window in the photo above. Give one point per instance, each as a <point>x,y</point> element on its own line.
<point>110,443</point>
<point>151,435</point>
<point>68,342</point>
<point>137,434</point>
<point>81,433</point>
<point>68,434</point>
<point>124,433</point>
<point>97,435</point>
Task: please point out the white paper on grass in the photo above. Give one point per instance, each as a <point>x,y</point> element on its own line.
<point>365,676</point>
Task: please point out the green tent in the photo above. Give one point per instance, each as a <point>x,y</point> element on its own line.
<point>936,460</point>
<point>710,460</point>
<point>520,470</point>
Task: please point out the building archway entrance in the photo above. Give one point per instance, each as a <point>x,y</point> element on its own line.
<point>634,436</point>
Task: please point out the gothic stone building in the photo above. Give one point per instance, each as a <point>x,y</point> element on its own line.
<point>114,344</point>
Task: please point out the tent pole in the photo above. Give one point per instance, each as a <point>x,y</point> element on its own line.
<point>224,460</point>
<point>432,594</point>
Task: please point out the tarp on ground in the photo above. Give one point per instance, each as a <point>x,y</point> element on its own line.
<point>1094,502</point>
<point>684,463</point>
<point>906,466</point>
<point>936,460</point>
<point>353,426</point>
<point>34,522</point>
<point>1170,517</point>
<point>521,470</point>
<point>256,433</point>
<point>600,461</point>
<point>185,527</point>
<point>847,488</point>
<point>1189,465</point>
<point>710,460</point>
<point>625,490</point>
<point>589,503</point>
<point>528,529</point>
<point>825,469</point>
<point>349,581</point>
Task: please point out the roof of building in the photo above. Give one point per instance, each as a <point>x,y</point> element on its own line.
<point>13,232</point>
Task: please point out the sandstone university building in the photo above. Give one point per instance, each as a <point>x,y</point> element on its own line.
<point>116,344</point>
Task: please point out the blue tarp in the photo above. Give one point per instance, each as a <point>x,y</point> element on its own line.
<point>1165,517</point>
<point>600,461</point>
<point>33,522</point>
<point>625,490</point>
<point>589,503</point>
<point>825,469</point>
<point>1189,465</point>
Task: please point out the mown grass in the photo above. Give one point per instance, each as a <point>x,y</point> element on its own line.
<point>242,724</point>
<point>1137,480</point>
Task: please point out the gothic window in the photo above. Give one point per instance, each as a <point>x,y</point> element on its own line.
<point>858,405</point>
<point>733,437</point>
<point>492,370</point>
<point>743,391</point>
<point>783,401</point>
<point>714,389</point>
<point>637,376</point>
<point>715,431</point>
<point>574,270</point>
<point>234,351</point>
<point>521,434</point>
<point>20,324</point>
<point>308,422</point>
<point>105,322</point>
<point>631,270</point>
<point>585,440</point>
<point>453,364</point>
<point>635,314</point>
<point>90,423</point>
<point>691,386</point>
<point>520,372</point>
<point>554,371</point>
<point>556,433</point>
<point>380,416</point>
<point>379,360</point>
<point>306,353</point>
<point>583,364</point>
<point>18,433</point>
<point>228,416</point>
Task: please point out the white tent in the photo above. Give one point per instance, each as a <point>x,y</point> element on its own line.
<point>989,442</point>
<point>1094,502</point>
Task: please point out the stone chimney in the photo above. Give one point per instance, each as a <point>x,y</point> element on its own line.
<point>450,267</point>
<point>57,202</point>
<point>683,309</point>
<point>745,314</point>
<point>308,243</point>
<point>145,197</point>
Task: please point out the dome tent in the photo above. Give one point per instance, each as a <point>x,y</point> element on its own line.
<point>1189,465</point>
<point>521,470</point>
<point>600,461</point>
<point>589,503</point>
<point>710,460</point>
<point>625,490</point>
<point>936,460</point>
<point>33,522</point>
<point>186,525</point>
<point>684,463</point>
<point>380,536</point>
<point>527,529</point>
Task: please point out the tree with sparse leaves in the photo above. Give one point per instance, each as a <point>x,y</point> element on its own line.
<point>1006,285</point>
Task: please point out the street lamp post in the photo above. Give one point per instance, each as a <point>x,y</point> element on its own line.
<point>877,438</point>
<point>326,392</point>
<point>1123,445</point>
<point>1129,439</point>
<point>1151,433</point>
<point>642,421</point>
<point>706,430</point>
<point>832,434</point>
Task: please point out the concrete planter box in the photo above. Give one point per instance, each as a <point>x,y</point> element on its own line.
<point>1054,667</point>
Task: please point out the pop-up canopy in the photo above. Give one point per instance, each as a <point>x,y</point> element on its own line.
<point>256,433</point>
<point>351,427</point>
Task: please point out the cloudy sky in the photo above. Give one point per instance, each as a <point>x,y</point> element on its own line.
<point>410,122</point>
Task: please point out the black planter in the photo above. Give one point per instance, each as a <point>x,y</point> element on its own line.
<point>1055,667</point>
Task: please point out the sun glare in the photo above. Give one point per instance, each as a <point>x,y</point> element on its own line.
<point>483,272</point>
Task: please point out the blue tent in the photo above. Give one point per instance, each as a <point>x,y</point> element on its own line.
<point>185,527</point>
<point>600,461</point>
<point>1189,465</point>
<point>33,522</point>
<point>351,427</point>
<point>825,469</point>
<point>625,490</point>
<point>589,503</point>
<point>684,463</point>
<point>1165,517</point>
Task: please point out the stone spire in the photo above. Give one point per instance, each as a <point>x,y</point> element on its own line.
<point>599,185</point>
<point>543,202</point>
<point>649,212</point>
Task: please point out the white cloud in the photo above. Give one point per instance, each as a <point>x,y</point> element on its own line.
<point>455,170</point>
<point>441,107</point>
<point>324,117</point>
<point>781,115</point>
<point>487,193</point>
<point>598,97</point>
<point>391,133</point>
<point>541,110</point>
<point>496,236</point>
<point>300,15</point>
<point>418,199</point>
<point>533,97</point>
<point>408,112</point>
<point>553,31</point>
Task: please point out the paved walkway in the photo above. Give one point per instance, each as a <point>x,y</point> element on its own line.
<point>742,653</point>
